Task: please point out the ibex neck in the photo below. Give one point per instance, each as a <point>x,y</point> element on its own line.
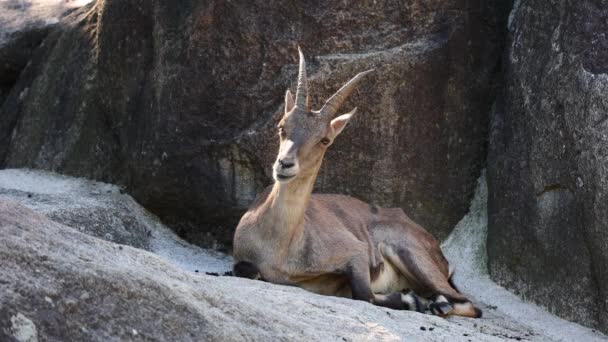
<point>286,206</point>
<point>290,200</point>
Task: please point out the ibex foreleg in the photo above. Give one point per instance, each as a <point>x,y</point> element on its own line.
<point>246,269</point>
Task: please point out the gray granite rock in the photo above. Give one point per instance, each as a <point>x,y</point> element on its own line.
<point>57,284</point>
<point>548,160</point>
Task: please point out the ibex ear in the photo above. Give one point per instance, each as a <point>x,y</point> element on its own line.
<point>340,122</point>
<point>289,102</point>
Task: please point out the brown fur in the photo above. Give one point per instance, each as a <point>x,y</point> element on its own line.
<point>334,244</point>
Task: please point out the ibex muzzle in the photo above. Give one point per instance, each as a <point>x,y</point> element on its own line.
<point>332,244</point>
<point>286,166</point>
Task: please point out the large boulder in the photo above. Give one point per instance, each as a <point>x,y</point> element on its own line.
<point>548,160</point>
<point>106,212</point>
<point>57,284</point>
<point>23,26</point>
<point>180,103</point>
<point>93,208</point>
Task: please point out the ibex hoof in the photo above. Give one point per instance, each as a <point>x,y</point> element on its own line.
<point>441,309</point>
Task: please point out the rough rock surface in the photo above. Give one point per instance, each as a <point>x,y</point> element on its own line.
<point>104,211</point>
<point>59,284</point>
<point>548,160</point>
<point>180,103</point>
<point>93,208</point>
<point>505,316</point>
<point>466,249</point>
<point>23,26</point>
<point>52,276</point>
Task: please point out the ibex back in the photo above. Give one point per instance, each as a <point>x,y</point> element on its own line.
<point>334,244</point>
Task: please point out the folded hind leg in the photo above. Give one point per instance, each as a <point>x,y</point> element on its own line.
<point>424,271</point>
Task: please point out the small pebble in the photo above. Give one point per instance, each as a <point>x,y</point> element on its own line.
<point>120,247</point>
<point>29,195</point>
<point>196,271</point>
<point>431,329</point>
<point>423,328</point>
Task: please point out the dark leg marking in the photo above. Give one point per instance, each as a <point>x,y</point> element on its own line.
<point>392,301</point>
<point>430,279</point>
<point>359,283</point>
<point>444,305</point>
<point>440,306</point>
<point>359,278</point>
<point>245,269</point>
<point>451,282</point>
<point>417,305</point>
<point>376,270</point>
<point>400,301</point>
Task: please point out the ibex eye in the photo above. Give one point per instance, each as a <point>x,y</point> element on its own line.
<point>325,141</point>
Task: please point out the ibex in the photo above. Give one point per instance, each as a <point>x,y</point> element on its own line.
<point>333,244</point>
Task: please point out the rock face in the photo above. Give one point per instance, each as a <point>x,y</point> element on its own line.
<point>548,160</point>
<point>23,26</point>
<point>15,54</point>
<point>58,284</point>
<point>180,103</point>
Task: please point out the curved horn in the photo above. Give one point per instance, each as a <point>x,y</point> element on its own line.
<point>333,104</point>
<point>302,90</point>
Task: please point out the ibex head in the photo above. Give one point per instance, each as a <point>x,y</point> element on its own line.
<point>305,134</point>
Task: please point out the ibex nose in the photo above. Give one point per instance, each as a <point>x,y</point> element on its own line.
<point>286,164</point>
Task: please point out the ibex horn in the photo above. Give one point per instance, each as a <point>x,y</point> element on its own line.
<point>302,90</point>
<point>333,103</point>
